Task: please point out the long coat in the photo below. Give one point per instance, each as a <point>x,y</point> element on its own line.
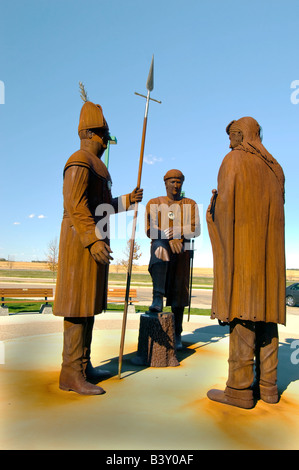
<point>185,215</point>
<point>247,237</point>
<point>81,288</point>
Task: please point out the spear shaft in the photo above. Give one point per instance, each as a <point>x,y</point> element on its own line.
<point>132,243</point>
<point>149,86</point>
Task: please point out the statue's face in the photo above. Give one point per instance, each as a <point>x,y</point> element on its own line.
<point>173,188</point>
<point>101,136</point>
<point>235,138</point>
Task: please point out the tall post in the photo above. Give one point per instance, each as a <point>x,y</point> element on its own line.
<point>149,86</point>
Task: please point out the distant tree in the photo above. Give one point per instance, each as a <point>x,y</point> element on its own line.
<point>52,256</point>
<point>117,265</point>
<point>124,263</point>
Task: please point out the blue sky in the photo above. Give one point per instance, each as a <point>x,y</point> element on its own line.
<point>215,61</point>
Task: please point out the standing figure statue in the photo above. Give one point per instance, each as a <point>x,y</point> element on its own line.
<point>246,227</point>
<point>171,221</point>
<point>84,251</point>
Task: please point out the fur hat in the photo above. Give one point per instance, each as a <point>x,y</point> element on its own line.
<point>174,174</point>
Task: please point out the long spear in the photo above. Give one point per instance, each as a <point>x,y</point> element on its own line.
<point>149,86</point>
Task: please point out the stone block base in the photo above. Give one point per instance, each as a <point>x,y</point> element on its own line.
<point>3,310</point>
<point>131,308</point>
<point>46,309</point>
<point>156,342</point>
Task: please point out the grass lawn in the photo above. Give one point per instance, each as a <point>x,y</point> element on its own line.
<point>146,278</point>
<point>25,307</point>
<point>26,273</point>
<point>144,308</point>
<point>35,307</point>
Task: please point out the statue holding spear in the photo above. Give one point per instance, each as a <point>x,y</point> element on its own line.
<point>84,253</point>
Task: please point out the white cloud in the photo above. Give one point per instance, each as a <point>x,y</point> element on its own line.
<point>16,223</point>
<point>151,159</point>
<point>41,216</point>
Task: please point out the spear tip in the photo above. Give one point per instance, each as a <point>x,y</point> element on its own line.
<point>150,78</point>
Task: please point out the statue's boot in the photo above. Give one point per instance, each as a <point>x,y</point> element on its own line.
<point>178,342</point>
<point>269,394</point>
<point>267,344</point>
<point>178,313</point>
<point>230,396</point>
<point>92,374</point>
<point>72,376</point>
<point>158,273</point>
<point>238,391</point>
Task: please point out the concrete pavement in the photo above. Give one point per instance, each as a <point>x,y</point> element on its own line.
<point>148,408</point>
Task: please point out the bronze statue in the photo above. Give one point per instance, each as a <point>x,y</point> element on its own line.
<point>171,221</point>
<point>84,254</point>
<point>246,227</point>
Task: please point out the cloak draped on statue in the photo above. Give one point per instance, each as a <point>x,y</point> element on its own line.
<point>246,228</point>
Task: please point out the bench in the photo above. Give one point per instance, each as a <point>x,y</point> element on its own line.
<point>118,295</point>
<point>115,295</point>
<point>9,294</point>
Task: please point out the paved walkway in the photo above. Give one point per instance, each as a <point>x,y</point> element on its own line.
<point>148,408</point>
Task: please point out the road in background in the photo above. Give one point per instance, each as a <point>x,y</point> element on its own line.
<point>201,298</point>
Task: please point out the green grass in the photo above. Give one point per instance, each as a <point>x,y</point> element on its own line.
<point>26,273</point>
<point>193,311</point>
<point>35,307</point>
<point>144,308</point>
<point>25,308</point>
<point>145,279</point>
<point>113,277</point>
